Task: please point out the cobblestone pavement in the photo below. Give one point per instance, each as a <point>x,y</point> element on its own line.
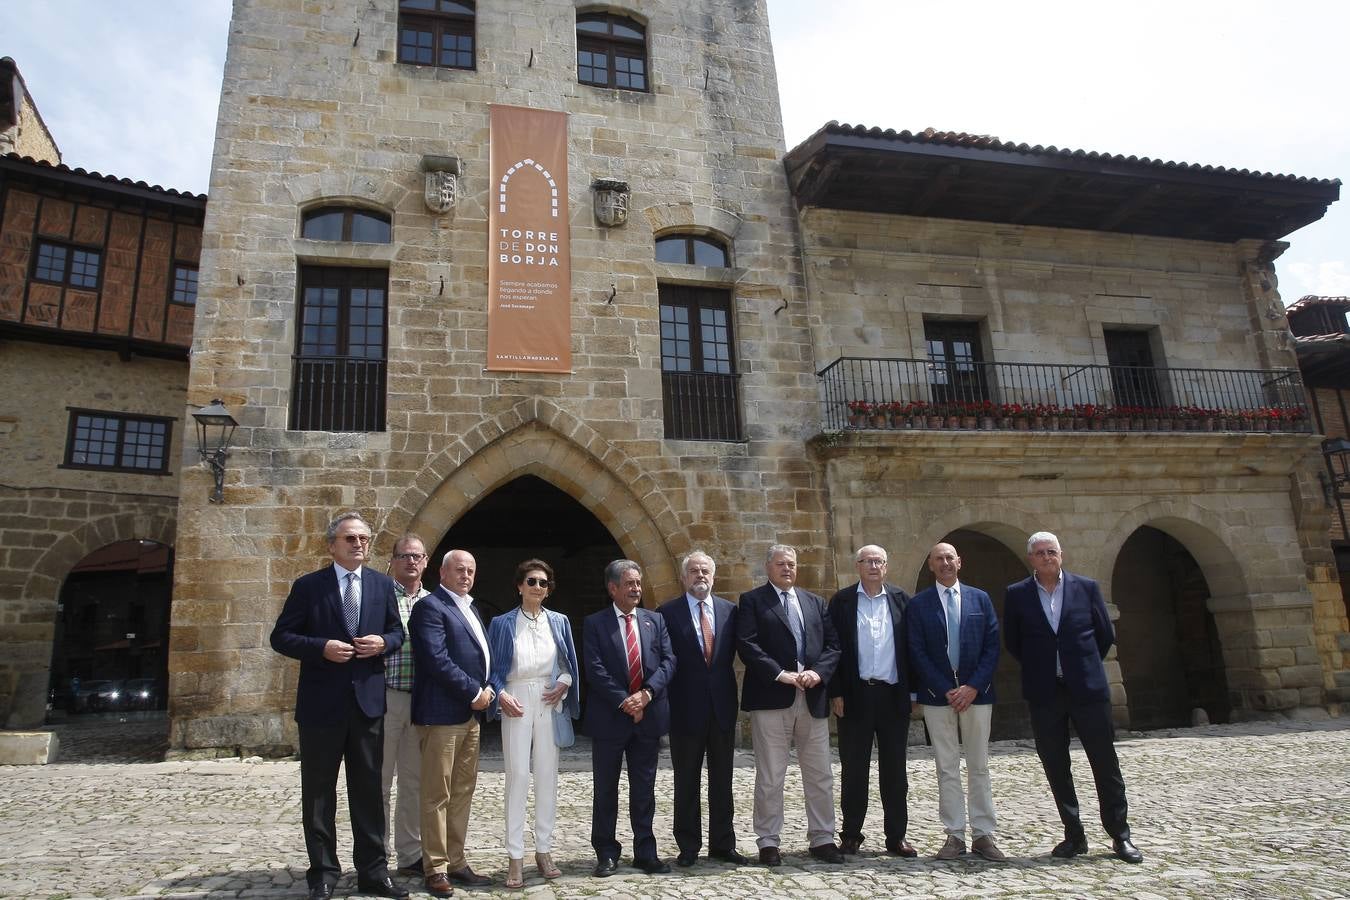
<point>1257,810</point>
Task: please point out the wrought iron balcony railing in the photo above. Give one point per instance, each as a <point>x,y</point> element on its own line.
<point>338,393</point>
<point>909,393</point>
<point>701,406</point>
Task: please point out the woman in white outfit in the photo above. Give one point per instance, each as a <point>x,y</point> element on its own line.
<point>534,672</point>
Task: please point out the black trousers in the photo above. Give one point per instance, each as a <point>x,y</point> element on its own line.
<point>687,752</point>
<point>607,759</point>
<point>359,744</point>
<point>874,714</point>
<point>1093,725</point>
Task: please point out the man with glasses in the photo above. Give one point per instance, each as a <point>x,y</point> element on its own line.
<point>1056,625</point>
<point>339,622</point>
<point>869,696</point>
<point>401,750</point>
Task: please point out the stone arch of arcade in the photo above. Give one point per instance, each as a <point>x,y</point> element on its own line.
<point>1182,596</point>
<point>42,595</point>
<point>536,438</point>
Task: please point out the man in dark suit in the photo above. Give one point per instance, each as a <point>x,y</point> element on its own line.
<point>869,695</point>
<point>702,693</point>
<point>1057,627</point>
<point>339,622</point>
<point>790,651</point>
<point>629,665</point>
<point>451,662</point>
<point>953,649</point>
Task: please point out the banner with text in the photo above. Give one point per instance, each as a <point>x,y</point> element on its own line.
<point>530,252</point>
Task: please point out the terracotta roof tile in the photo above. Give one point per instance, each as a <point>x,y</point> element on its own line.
<point>108,179</point>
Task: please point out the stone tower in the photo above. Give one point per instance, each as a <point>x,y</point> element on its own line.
<point>352,174</point>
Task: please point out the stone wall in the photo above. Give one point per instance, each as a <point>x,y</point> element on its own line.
<point>1224,497</point>
<point>54,516</point>
<point>310,113</point>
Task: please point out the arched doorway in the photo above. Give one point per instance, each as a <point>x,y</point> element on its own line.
<point>1171,660</point>
<point>988,564</point>
<point>110,648</point>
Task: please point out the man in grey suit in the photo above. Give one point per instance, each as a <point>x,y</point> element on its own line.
<point>790,650</point>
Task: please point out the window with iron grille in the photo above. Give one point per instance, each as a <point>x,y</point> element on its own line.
<point>339,378</point>
<point>699,384</point>
<point>118,442</point>
<point>68,265</point>
<point>184,285</point>
<point>436,33</point>
<point>611,51</point>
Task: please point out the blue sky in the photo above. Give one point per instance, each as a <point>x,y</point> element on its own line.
<point>130,87</point>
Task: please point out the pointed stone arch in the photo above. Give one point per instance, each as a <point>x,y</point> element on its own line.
<point>536,437</point>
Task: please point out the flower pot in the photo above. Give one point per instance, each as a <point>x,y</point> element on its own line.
<point>987,423</point>
<point>968,422</point>
<point>879,421</point>
<point>1206,424</point>
<point>856,420</point>
<point>1096,424</point>
<point>935,421</point>
<point>1164,424</point>
<point>1038,423</point>
<point>1022,424</point>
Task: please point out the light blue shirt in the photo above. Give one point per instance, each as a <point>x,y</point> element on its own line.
<point>876,637</point>
<point>1052,603</point>
<point>698,617</point>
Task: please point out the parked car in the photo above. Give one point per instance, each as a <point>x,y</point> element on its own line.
<point>87,696</point>
<point>109,697</point>
<point>140,693</point>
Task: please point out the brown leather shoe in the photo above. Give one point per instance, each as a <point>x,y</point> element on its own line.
<point>469,877</point>
<point>985,846</point>
<point>849,846</point>
<point>770,856</point>
<point>901,847</point>
<point>953,848</point>
<point>438,885</point>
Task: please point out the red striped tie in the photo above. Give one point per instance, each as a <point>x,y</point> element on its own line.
<point>634,656</point>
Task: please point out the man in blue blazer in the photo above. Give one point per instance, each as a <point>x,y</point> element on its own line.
<point>869,695</point>
<point>629,664</point>
<point>790,651</point>
<point>702,693</point>
<point>953,647</point>
<point>1057,627</point>
<point>451,662</point>
<point>340,622</point>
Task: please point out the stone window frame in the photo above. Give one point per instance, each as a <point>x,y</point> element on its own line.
<point>616,45</point>
<point>160,427</point>
<point>69,277</point>
<point>439,18</point>
<point>183,286</point>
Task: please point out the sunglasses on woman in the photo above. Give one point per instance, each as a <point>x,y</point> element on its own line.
<point>537,582</point>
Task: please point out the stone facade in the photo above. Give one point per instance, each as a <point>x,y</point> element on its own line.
<point>55,516</point>
<point>317,111</point>
<point>335,118</point>
<point>22,130</point>
<point>1247,507</point>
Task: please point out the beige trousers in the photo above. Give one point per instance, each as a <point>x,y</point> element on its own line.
<point>948,745</point>
<point>402,752</point>
<point>773,732</point>
<point>449,776</point>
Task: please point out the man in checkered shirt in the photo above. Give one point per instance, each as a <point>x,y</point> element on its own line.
<point>401,748</point>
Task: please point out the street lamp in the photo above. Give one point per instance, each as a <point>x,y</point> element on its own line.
<point>215,427</point>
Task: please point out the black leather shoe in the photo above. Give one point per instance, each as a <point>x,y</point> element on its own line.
<point>1126,850</point>
<point>849,846</point>
<point>728,856</point>
<point>468,877</point>
<point>605,868</point>
<point>653,866</point>
<point>385,887</point>
<point>686,859</point>
<point>1069,848</point>
<point>827,853</point>
<point>901,847</point>
<point>321,892</point>
<point>412,868</point>
<point>769,856</point>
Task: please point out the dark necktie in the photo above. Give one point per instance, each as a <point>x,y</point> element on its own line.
<point>351,604</point>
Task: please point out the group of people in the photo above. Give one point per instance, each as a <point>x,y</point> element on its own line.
<point>397,681</point>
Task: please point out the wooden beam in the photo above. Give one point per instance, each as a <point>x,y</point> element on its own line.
<point>937,188</point>
<point>1040,194</point>
<point>1128,206</point>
